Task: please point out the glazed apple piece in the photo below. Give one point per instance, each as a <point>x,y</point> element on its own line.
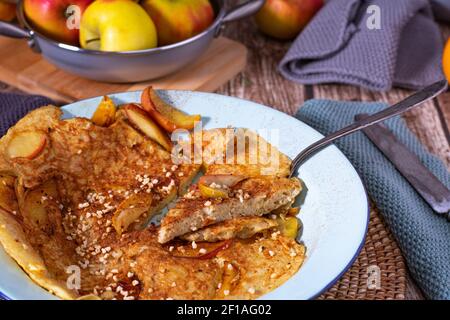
<point>209,192</point>
<point>36,203</point>
<point>226,180</point>
<point>166,115</point>
<point>293,211</point>
<point>27,144</point>
<point>105,114</point>
<point>230,278</point>
<point>130,210</point>
<point>139,118</point>
<point>216,186</point>
<point>8,199</point>
<point>288,226</point>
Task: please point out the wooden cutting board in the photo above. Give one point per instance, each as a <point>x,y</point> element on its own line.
<point>28,71</point>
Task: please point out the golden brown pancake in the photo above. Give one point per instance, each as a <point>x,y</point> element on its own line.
<point>240,152</point>
<point>240,228</point>
<point>251,197</point>
<point>59,211</point>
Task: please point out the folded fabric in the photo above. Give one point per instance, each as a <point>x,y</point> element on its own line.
<point>338,46</point>
<point>14,106</point>
<point>423,236</point>
<point>441,9</point>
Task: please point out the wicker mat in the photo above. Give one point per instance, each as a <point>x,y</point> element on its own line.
<point>381,257</point>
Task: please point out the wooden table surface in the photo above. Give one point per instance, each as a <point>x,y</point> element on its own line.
<point>261,82</point>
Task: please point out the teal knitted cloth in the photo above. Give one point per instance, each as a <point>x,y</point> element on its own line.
<point>423,236</point>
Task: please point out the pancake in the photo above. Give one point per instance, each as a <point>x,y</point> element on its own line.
<point>241,228</point>
<point>240,152</point>
<point>80,208</point>
<point>93,170</point>
<point>251,197</point>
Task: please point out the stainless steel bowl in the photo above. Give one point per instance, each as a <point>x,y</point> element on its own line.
<point>127,66</point>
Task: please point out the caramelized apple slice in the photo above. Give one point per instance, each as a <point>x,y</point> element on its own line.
<point>105,114</point>
<point>130,210</point>
<point>36,203</point>
<point>230,278</point>
<point>138,117</point>
<point>216,186</point>
<point>289,226</point>
<point>166,115</point>
<point>223,180</point>
<point>209,192</point>
<point>187,251</point>
<point>293,211</point>
<point>27,144</point>
<point>213,253</point>
<point>8,199</point>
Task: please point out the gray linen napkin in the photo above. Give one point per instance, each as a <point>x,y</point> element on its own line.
<point>423,236</point>
<point>14,106</point>
<point>337,46</point>
<point>441,9</point>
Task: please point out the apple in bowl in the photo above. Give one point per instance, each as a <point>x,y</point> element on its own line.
<point>117,25</point>
<point>56,19</point>
<point>284,19</point>
<point>178,20</point>
<point>7,11</point>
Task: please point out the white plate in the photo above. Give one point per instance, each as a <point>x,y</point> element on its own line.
<point>334,214</point>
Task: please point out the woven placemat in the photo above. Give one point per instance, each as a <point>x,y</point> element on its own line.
<point>378,273</point>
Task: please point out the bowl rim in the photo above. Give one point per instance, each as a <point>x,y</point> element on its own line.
<point>217,22</point>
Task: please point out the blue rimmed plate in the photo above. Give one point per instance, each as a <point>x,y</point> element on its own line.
<point>334,212</point>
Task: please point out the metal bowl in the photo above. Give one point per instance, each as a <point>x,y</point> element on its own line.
<point>127,66</point>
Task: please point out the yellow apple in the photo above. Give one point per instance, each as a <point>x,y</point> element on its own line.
<point>284,19</point>
<point>117,25</point>
<point>177,20</point>
<point>7,11</point>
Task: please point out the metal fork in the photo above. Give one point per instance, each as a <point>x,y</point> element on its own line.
<point>405,105</point>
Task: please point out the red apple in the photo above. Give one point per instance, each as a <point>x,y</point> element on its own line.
<point>57,19</point>
<point>284,19</point>
<point>177,20</point>
<point>7,11</point>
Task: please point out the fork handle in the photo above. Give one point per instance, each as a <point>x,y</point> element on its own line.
<point>405,105</point>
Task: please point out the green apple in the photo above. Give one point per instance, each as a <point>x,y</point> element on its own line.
<point>117,25</point>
